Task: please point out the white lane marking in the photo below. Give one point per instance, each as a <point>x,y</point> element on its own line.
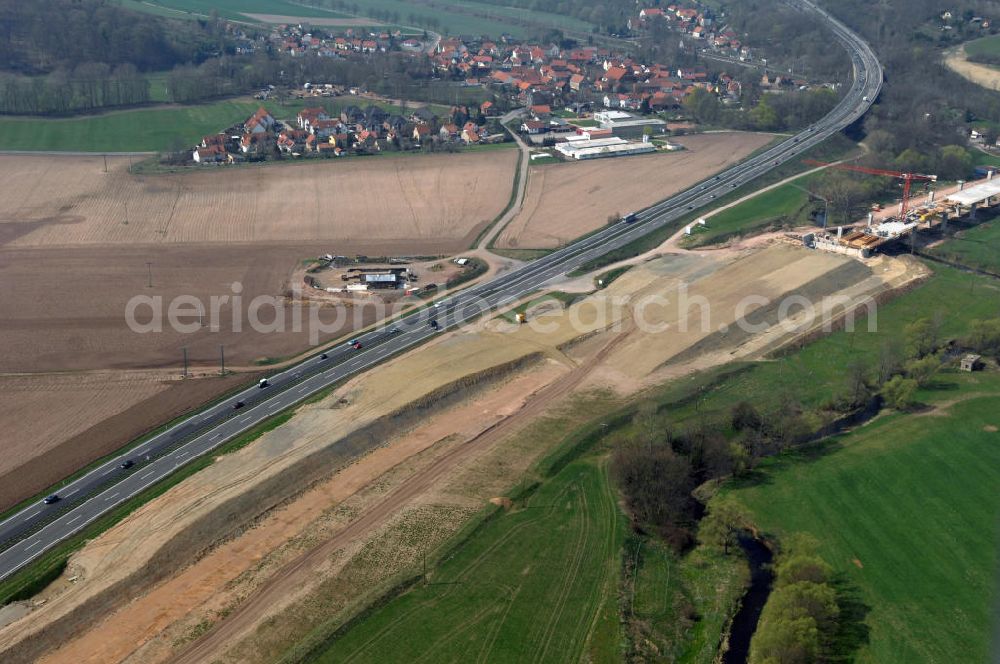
<point>147,475</point>
<point>107,471</point>
<point>33,514</point>
<point>181,455</point>
<point>33,545</point>
<point>111,497</point>
<point>216,436</point>
<point>273,407</point>
<point>69,493</point>
<point>303,389</point>
<point>75,518</point>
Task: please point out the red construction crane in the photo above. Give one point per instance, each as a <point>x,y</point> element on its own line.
<point>907,178</point>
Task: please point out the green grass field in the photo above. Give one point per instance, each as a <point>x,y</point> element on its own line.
<point>815,374</point>
<point>537,583</point>
<point>984,46</point>
<point>453,16</point>
<point>231,9</point>
<point>158,86</point>
<point>905,510</point>
<point>787,202</point>
<point>977,247</point>
<point>667,588</point>
<point>151,130</point>
<point>474,18</point>
<point>143,130</point>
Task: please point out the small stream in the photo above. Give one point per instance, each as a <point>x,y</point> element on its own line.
<point>745,620</point>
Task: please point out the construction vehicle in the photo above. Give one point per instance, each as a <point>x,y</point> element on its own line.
<point>907,178</point>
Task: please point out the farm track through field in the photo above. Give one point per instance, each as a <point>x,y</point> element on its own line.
<point>430,602</point>
<point>608,508</point>
<point>572,572</point>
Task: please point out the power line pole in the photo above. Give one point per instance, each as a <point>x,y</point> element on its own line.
<point>222,355</point>
<point>185,349</point>
<point>149,271</point>
<point>105,163</point>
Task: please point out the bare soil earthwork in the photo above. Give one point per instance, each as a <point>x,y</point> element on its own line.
<point>984,75</point>
<point>269,578</point>
<point>565,201</point>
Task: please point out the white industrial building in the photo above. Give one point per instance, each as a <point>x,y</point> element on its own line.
<point>578,147</point>
<point>620,120</point>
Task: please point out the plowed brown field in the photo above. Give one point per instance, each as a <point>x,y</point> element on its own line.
<point>565,201</point>
<point>77,243</point>
<point>442,199</point>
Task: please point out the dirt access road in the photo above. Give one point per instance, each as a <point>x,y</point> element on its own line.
<point>984,75</point>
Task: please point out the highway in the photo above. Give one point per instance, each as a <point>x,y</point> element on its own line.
<point>27,534</point>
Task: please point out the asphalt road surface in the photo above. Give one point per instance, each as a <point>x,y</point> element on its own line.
<point>30,532</point>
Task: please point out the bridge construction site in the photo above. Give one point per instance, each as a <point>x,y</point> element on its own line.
<point>934,211</point>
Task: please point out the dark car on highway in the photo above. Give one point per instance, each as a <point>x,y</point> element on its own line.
<point>126,464</point>
<point>51,499</point>
<point>238,405</point>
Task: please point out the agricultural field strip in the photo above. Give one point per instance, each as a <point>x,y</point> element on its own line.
<point>467,305</point>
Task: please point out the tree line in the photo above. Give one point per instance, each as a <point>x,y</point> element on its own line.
<point>659,463</point>
<point>41,37</point>
<point>920,122</point>
<point>88,86</point>
<point>801,621</point>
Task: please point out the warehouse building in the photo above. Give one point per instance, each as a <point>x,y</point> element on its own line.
<point>587,148</point>
<point>628,125</point>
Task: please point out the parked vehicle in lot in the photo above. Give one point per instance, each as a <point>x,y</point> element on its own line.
<point>54,498</point>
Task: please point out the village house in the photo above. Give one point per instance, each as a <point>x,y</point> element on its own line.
<point>307,116</point>
<point>255,144</point>
<point>212,154</point>
<point>534,127</point>
<point>260,122</point>
<point>421,132</point>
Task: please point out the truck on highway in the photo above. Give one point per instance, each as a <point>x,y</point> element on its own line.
<point>629,218</point>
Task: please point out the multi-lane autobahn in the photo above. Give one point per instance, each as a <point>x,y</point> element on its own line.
<point>28,533</point>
